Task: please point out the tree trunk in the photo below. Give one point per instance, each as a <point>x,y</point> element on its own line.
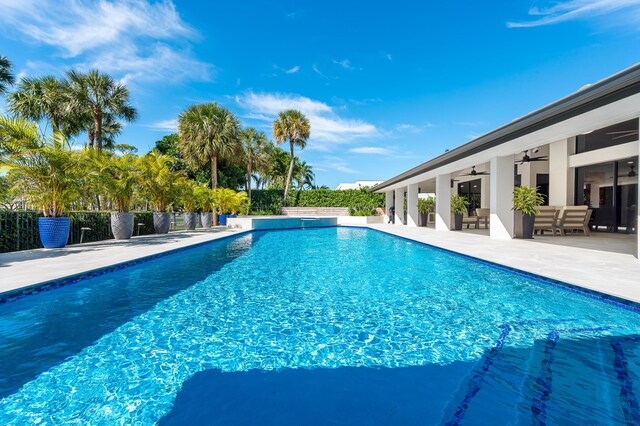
<point>249,179</point>
<point>98,124</point>
<point>91,134</point>
<point>288,183</point>
<point>214,172</point>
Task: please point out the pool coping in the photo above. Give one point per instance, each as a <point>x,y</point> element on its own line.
<point>39,287</point>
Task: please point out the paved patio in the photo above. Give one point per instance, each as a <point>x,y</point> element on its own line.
<point>29,267</point>
<point>602,262</point>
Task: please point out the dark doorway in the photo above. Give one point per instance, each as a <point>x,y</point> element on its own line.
<point>542,182</point>
<point>471,190</point>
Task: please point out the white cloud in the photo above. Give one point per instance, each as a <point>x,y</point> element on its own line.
<point>293,70</point>
<point>315,69</point>
<point>568,10</point>
<point>336,163</point>
<point>413,128</point>
<point>170,125</point>
<point>132,37</point>
<point>376,150</point>
<point>160,63</point>
<point>345,63</point>
<point>326,125</point>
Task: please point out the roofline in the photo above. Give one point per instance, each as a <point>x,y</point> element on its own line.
<point>618,86</point>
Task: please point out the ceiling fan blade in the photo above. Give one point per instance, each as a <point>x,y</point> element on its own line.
<point>624,136</point>
<point>622,131</point>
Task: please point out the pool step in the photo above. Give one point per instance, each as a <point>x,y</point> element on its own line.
<point>553,381</point>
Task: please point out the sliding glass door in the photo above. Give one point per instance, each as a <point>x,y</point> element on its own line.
<point>611,190</point>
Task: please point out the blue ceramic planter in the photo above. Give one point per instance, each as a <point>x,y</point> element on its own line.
<point>233,215</point>
<point>54,231</point>
<point>222,219</point>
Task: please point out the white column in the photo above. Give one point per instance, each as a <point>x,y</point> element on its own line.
<point>560,175</point>
<point>412,205</point>
<point>387,205</point>
<point>501,198</point>
<point>638,213</point>
<point>443,202</point>
<point>484,192</point>
<point>399,206</point>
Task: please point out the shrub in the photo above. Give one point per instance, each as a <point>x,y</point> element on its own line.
<point>270,200</point>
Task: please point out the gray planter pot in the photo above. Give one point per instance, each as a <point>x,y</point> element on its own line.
<point>122,225</point>
<point>423,219</point>
<point>190,221</point>
<point>207,219</point>
<point>457,221</point>
<point>524,225</point>
<point>161,222</point>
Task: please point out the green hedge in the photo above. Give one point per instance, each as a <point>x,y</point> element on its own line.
<point>269,201</point>
<point>19,229</point>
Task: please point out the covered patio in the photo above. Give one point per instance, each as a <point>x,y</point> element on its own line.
<point>579,151</point>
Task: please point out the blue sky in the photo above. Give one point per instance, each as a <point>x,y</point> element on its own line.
<point>386,86</point>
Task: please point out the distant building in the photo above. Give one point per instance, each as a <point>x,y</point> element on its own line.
<point>358,184</point>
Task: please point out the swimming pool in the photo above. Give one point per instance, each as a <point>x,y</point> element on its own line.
<point>328,325</point>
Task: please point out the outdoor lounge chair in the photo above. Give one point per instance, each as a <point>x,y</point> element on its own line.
<point>483,216</point>
<point>470,220</point>
<point>574,218</point>
<point>546,220</point>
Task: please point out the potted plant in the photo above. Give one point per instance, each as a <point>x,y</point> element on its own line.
<point>425,206</point>
<point>204,196</point>
<point>459,206</point>
<point>189,200</point>
<point>526,201</point>
<point>241,204</point>
<point>117,177</point>
<point>224,199</point>
<point>48,175</point>
<point>160,184</point>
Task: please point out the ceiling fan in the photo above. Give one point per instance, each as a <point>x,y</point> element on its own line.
<point>527,159</point>
<point>632,172</point>
<point>474,173</point>
<point>622,134</point>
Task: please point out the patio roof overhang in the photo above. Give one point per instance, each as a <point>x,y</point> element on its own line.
<point>614,88</point>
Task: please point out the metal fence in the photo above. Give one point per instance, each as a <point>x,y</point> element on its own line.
<point>19,229</point>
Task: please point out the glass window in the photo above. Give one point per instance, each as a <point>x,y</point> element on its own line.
<point>617,134</point>
<point>471,190</point>
<point>611,190</point>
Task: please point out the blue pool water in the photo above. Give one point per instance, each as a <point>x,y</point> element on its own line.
<point>317,326</point>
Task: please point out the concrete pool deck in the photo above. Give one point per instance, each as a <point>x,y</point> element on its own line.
<point>589,264</point>
<point>30,267</point>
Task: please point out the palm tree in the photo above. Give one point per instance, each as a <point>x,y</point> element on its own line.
<point>6,77</point>
<point>98,96</point>
<point>292,126</point>
<point>277,171</point>
<point>45,170</point>
<point>304,175</point>
<point>254,145</point>
<point>208,132</point>
<point>44,98</point>
<point>158,182</point>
